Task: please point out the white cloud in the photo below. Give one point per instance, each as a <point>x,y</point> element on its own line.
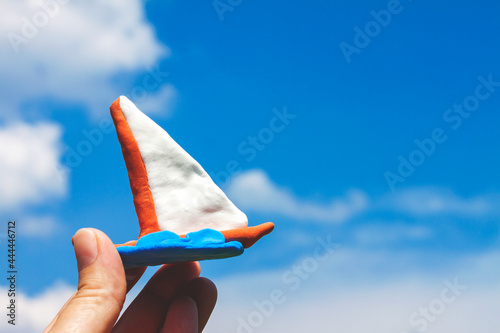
<point>342,293</point>
<point>29,164</point>
<point>432,201</point>
<point>254,190</point>
<point>335,298</point>
<point>34,313</point>
<point>354,309</point>
<point>160,102</point>
<point>365,290</point>
<point>38,226</point>
<point>73,50</point>
<point>381,233</point>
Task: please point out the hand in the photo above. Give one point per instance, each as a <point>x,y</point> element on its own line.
<point>176,299</point>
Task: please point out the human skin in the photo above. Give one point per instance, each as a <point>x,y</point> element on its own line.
<point>175,299</point>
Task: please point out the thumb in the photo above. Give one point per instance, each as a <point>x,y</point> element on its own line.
<point>96,305</point>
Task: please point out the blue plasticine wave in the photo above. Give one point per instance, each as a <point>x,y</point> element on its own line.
<point>165,247</point>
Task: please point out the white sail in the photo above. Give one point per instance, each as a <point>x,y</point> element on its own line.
<point>185,197</point>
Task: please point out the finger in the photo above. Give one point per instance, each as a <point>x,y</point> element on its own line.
<point>132,275</point>
<point>204,293</point>
<point>147,312</point>
<point>101,286</point>
<point>182,316</point>
<point>57,315</point>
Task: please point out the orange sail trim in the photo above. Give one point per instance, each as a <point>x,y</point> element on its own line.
<point>246,236</point>
<point>250,235</point>
<point>137,174</point>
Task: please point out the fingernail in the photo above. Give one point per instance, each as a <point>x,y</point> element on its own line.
<point>85,245</point>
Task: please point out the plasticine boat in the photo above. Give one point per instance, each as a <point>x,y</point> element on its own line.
<point>183,215</point>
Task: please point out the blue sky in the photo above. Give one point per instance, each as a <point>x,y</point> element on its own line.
<point>221,77</point>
